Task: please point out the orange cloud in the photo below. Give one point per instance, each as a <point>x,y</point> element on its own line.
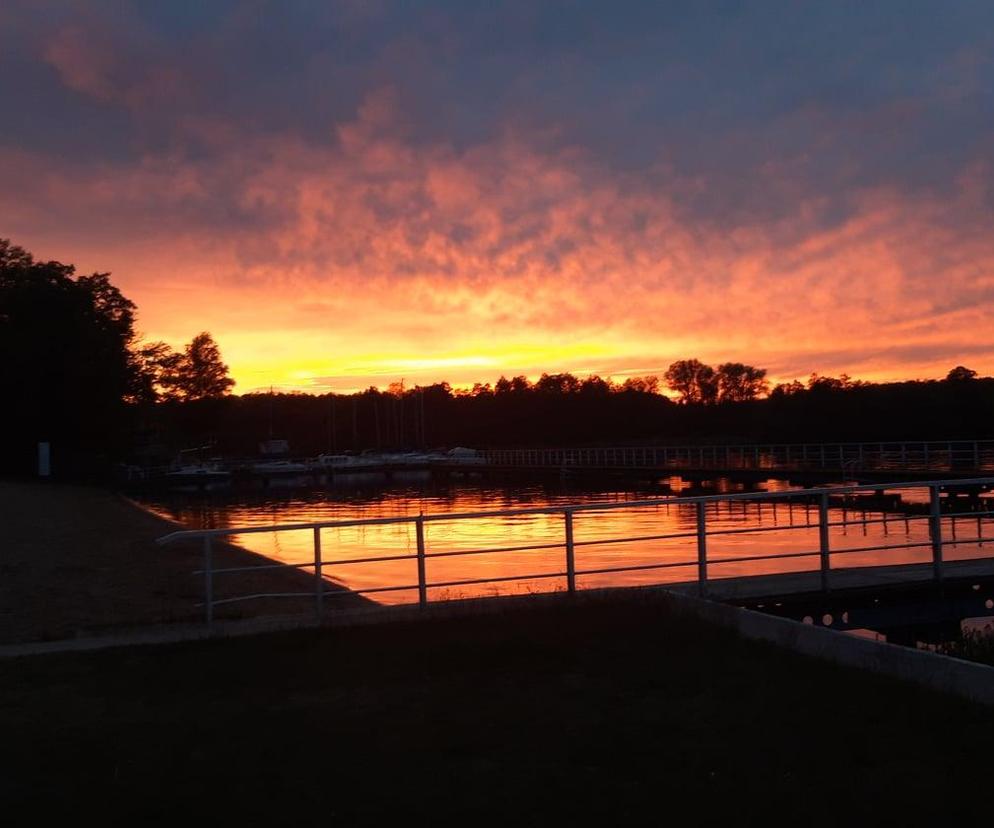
<point>368,257</point>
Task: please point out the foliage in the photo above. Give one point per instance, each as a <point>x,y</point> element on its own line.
<point>195,373</point>
<point>695,382</point>
<point>641,385</point>
<point>739,383</point>
<point>581,411</point>
<point>787,389</point>
<point>700,384</point>
<point>961,374</point>
<point>72,363</point>
<point>841,383</point>
<point>66,362</point>
<point>202,374</point>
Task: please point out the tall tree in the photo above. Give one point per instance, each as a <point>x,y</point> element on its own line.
<point>738,382</point>
<point>694,381</point>
<point>201,373</point>
<point>66,365</point>
<point>156,372</point>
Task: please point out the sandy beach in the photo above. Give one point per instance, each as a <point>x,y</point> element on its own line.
<point>78,561</point>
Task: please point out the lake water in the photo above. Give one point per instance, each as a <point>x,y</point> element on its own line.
<point>793,528</point>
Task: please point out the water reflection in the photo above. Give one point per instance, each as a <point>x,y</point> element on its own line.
<point>793,529</point>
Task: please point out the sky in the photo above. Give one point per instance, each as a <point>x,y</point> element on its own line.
<point>352,193</point>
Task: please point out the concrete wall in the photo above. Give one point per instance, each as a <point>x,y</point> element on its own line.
<point>951,675</point>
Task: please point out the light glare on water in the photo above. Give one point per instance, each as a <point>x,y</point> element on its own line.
<point>787,528</point>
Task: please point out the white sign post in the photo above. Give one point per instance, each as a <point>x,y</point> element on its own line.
<point>44,459</point>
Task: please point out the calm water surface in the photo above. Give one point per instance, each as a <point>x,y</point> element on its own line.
<point>794,530</point>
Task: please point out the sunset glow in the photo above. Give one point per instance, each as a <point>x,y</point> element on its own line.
<point>427,196</point>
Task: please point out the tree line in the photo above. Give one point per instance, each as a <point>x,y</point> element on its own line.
<point>564,410</point>
<point>76,373</point>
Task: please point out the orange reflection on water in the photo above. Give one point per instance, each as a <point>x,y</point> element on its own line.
<point>775,529</point>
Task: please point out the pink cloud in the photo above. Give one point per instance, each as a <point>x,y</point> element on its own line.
<point>82,67</point>
<point>504,249</point>
<point>114,68</point>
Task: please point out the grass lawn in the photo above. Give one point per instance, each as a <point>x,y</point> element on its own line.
<point>598,711</point>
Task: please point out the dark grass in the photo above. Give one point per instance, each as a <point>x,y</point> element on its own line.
<point>608,711</point>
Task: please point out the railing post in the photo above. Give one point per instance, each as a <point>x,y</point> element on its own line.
<point>935,524</point>
<point>318,580</point>
<point>823,542</point>
<point>419,525</point>
<point>702,550</point>
<point>208,581</point>
<point>570,559</point>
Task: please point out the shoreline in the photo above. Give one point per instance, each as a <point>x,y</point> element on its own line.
<point>141,507</point>
<point>81,561</point>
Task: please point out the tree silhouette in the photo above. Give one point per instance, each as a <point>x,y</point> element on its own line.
<point>557,384</point>
<point>596,386</point>
<point>156,374</point>
<point>200,373</point>
<point>165,375</point>
<point>787,389</point>
<point>65,359</point>
<point>642,385</point>
<point>738,382</point>
<point>694,381</point>
<point>961,374</point>
<point>515,385</point>
<point>843,382</point>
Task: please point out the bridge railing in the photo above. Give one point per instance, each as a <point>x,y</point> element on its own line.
<point>568,572</point>
<point>925,456</point>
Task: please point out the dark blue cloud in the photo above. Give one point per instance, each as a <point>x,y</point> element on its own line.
<point>753,106</point>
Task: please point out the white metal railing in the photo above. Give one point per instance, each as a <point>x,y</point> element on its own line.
<point>819,497</point>
<point>972,456</point>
